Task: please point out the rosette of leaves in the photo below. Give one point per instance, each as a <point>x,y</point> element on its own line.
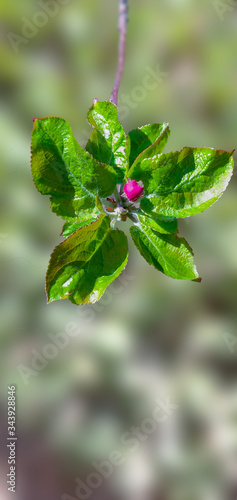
<point>86,188</point>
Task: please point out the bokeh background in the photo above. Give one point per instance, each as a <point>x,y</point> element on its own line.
<point>155,337</point>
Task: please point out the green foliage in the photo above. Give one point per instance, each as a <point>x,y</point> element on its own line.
<point>147,141</point>
<point>166,225</point>
<point>166,252</point>
<point>108,142</point>
<point>86,189</point>
<point>85,263</point>
<point>183,183</point>
<point>65,171</point>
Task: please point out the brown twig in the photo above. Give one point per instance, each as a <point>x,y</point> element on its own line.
<point>122,26</point>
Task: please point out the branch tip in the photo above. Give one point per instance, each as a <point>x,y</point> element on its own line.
<point>122,27</point>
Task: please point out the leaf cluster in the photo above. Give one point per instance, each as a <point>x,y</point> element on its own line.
<point>83,185</point>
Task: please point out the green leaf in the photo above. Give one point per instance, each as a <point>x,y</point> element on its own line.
<point>84,218</point>
<point>166,252</point>
<point>165,226</point>
<point>71,227</point>
<point>98,147</point>
<point>83,265</point>
<point>108,141</point>
<point>99,205</point>
<point>62,169</point>
<point>183,183</point>
<point>149,140</point>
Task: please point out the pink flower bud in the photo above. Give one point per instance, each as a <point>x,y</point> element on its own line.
<point>133,190</point>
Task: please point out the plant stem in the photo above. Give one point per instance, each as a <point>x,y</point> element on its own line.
<point>117,197</point>
<point>122,26</point>
<point>113,222</point>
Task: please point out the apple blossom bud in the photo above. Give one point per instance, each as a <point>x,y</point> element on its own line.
<point>133,190</point>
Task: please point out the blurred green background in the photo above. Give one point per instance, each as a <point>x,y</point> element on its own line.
<point>154,337</point>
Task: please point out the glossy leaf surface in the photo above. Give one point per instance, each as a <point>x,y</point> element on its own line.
<point>164,226</point>
<point>147,141</point>
<point>83,265</point>
<point>108,141</point>
<point>166,252</point>
<point>183,183</point>
<point>62,169</point>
